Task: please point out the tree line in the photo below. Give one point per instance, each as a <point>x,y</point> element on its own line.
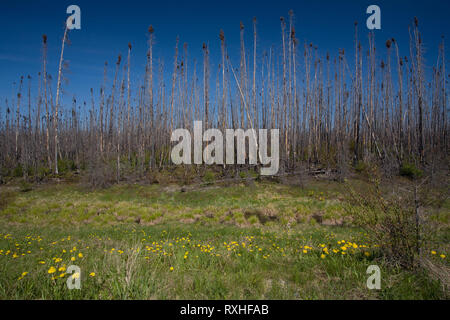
<point>383,107</point>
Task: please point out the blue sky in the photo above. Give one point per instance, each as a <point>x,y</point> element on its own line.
<point>108,26</point>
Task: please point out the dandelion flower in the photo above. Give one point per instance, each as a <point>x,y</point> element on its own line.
<point>72,259</point>
<point>80,255</point>
<point>51,270</point>
<point>171,268</point>
<point>442,256</point>
<point>322,256</point>
<point>433,252</point>
<point>92,274</point>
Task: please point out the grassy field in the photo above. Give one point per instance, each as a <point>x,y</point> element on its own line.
<point>258,241</point>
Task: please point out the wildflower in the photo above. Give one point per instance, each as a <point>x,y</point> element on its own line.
<point>322,256</point>
<point>80,255</point>
<point>72,259</point>
<point>41,262</point>
<point>51,270</point>
<point>433,252</point>
<point>442,256</point>
<point>92,274</point>
<point>171,268</point>
<point>61,269</point>
<point>366,254</point>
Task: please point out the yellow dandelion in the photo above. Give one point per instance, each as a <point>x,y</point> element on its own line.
<point>171,268</point>
<point>433,252</point>
<point>51,270</point>
<point>442,256</point>
<point>72,259</point>
<point>80,255</point>
<point>322,256</point>
<point>92,274</point>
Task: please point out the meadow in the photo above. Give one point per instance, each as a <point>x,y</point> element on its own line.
<point>265,240</point>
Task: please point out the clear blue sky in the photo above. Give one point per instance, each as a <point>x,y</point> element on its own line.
<point>108,26</point>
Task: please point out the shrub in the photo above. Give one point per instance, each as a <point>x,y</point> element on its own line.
<point>24,186</point>
<point>209,177</point>
<point>253,220</point>
<point>410,170</point>
<point>42,172</point>
<point>360,166</point>
<point>390,224</point>
<point>65,165</point>
<point>18,171</point>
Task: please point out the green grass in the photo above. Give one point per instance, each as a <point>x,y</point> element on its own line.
<point>216,250</point>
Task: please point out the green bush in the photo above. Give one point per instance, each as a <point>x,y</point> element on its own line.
<point>410,170</point>
<point>361,166</point>
<point>209,177</point>
<point>42,172</point>
<point>24,186</point>
<point>65,165</point>
<point>18,171</point>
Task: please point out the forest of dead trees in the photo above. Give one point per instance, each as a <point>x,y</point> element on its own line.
<point>380,108</point>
